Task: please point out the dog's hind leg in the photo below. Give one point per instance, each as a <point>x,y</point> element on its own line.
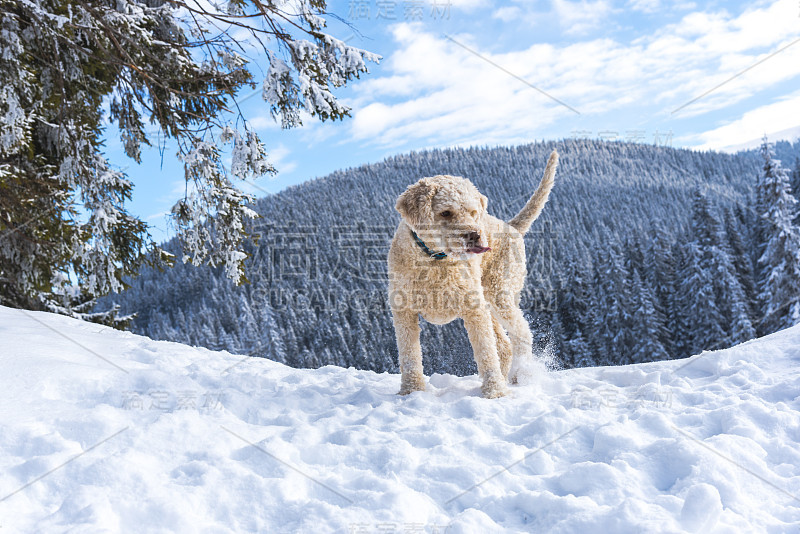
<point>511,318</point>
<point>503,347</point>
<point>406,329</point>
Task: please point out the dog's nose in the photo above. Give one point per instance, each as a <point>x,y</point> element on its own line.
<point>473,238</point>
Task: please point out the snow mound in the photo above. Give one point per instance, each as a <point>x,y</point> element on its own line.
<point>107,431</point>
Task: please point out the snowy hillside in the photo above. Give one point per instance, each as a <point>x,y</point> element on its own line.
<point>103,431</point>
<point>629,227</point>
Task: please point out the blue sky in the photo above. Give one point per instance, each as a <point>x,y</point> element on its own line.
<point>474,72</point>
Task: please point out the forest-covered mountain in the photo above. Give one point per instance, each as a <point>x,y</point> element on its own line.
<point>643,253</point>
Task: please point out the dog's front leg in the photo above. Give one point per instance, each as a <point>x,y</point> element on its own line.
<point>484,347</point>
<point>406,330</point>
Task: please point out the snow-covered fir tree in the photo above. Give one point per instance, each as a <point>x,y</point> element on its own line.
<point>646,323</point>
<point>67,67</point>
<point>796,186</point>
<point>709,286</point>
<point>701,324</point>
<point>659,274</point>
<point>579,350</point>
<point>614,308</point>
<point>741,246</point>
<point>576,303</point>
<point>779,265</point>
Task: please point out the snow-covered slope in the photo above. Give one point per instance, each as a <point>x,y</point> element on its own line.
<point>102,431</point>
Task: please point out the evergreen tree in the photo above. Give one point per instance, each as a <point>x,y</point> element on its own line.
<point>246,328</point>
<point>796,178</point>
<point>614,306</point>
<point>742,328</point>
<point>646,324</point>
<point>715,260</point>
<point>579,350</point>
<point>779,282</point>
<point>575,299</point>
<point>796,187</point>
<point>660,275</point>
<point>68,67</point>
<point>702,325</point>
<point>634,255</point>
<point>738,234</point>
<point>276,344</point>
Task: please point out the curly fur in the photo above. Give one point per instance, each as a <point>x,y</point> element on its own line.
<point>483,289</point>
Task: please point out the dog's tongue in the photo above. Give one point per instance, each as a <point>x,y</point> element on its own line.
<point>477,249</point>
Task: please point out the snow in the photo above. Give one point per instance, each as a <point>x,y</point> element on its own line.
<point>106,431</point>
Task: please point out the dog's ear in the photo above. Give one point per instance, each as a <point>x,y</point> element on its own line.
<point>414,205</point>
<point>484,202</point>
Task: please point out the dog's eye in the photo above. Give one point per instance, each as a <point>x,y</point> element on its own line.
<point>446,213</point>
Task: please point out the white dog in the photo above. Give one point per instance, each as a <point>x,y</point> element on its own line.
<point>450,259</point>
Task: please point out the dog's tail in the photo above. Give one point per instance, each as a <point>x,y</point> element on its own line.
<point>523,220</point>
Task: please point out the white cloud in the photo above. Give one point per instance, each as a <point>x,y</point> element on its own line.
<point>459,94</point>
<point>507,13</point>
<point>647,6</point>
<point>573,17</point>
<point>279,157</point>
<point>581,16</point>
<point>264,122</point>
<point>436,92</point>
<point>778,118</point>
<point>654,6</point>
<point>465,5</point>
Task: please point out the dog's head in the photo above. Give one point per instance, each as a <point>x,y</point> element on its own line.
<point>447,213</point>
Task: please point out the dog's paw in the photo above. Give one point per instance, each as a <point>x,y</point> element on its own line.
<point>407,387</point>
<point>494,389</point>
<point>494,393</point>
<point>522,377</point>
<point>523,372</point>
